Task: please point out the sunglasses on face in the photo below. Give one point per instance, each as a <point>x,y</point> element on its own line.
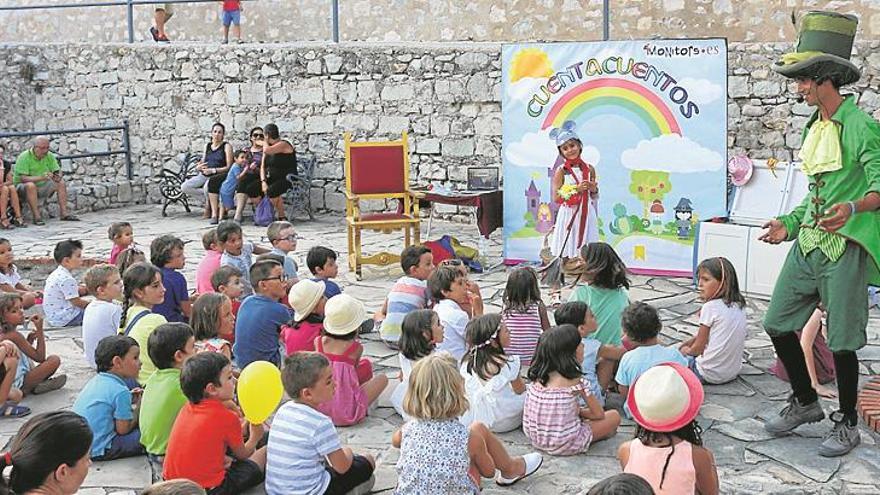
<point>257,136</point>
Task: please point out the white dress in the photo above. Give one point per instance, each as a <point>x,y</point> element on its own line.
<point>493,402</point>
<point>572,249</point>
<point>397,397</point>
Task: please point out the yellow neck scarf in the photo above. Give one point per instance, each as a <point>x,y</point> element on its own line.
<point>821,149</point>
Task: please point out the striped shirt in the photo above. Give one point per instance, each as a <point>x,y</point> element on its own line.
<point>407,294</point>
<point>551,421</point>
<point>525,329</point>
<point>830,244</point>
<point>301,439</point>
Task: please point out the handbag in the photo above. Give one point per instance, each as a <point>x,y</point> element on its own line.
<point>265,213</point>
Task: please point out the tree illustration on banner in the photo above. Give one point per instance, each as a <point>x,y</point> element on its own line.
<point>649,186</point>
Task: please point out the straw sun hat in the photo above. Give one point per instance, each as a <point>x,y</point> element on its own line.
<point>665,398</point>
<point>304,296</point>
<point>343,314</point>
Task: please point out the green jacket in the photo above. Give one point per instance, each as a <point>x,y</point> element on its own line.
<point>860,147</point>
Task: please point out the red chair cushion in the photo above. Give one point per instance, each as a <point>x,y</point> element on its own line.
<point>380,217</point>
<point>377,169</point>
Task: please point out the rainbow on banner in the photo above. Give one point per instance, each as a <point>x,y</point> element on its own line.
<point>654,114</point>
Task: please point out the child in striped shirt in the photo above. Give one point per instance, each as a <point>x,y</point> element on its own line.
<point>303,439</point>
<point>524,313</point>
<point>409,293</point>
<point>553,420</point>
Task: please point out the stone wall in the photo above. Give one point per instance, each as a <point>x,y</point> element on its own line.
<point>441,20</point>
<point>446,95</point>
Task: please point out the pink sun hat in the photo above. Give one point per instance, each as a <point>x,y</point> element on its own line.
<point>665,398</point>
<point>740,168</point>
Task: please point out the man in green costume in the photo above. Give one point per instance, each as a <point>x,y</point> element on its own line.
<point>836,229</point>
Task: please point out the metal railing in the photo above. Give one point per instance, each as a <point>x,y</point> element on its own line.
<point>126,143</point>
<point>130,4</point>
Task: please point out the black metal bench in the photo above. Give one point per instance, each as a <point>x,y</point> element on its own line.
<point>299,196</point>
<point>172,180</point>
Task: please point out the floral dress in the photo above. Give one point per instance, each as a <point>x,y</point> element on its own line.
<point>434,459</point>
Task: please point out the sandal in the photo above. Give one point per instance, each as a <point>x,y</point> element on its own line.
<point>11,410</point>
<point>533,461</point>
<point>39,221</point>
<point>70,218</point>
<point>50,384</point>
<point>19,222</point>
<point>5,225</point>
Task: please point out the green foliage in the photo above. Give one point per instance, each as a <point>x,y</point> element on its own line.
<point>648,185</point>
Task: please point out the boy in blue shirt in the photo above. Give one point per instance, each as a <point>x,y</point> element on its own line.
<point>322,263</point>
<point>106,403</point>
<point>641,324</point>
<point>260,317</point>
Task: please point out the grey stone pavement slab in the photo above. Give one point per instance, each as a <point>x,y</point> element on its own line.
<point>749,461</point>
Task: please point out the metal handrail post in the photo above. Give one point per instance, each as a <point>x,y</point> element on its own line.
<point>606,22</point>
<point>334,20</point>
<point>129,8</point>
<point>126,144</point>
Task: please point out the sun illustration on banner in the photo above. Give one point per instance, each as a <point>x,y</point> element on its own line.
<point>530,62</point>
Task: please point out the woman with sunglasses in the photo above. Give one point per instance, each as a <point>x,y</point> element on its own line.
<point>249,178</point>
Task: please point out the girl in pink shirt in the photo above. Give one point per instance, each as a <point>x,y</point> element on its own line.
<point>668,450</point>
<point>210,263</point>
<point>307,300</point>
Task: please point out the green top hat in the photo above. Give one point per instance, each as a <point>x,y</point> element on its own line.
<point>824,46</point>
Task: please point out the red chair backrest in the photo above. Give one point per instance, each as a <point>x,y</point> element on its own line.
<point>377,169</point>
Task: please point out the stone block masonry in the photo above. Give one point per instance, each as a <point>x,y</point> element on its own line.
<point>446,95</point>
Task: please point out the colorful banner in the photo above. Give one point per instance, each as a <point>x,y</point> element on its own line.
<point>652,116</point>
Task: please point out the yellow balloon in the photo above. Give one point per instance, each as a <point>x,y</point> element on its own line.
<point>259,390</point>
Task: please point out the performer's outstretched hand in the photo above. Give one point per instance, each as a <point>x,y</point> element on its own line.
<point>836,217</point>
<point>776,232</point>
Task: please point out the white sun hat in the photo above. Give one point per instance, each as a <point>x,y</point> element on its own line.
<point>343,314</point>
<point>304,296</point>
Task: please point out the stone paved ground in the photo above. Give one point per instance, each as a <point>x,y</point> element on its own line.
<point>749,461</point>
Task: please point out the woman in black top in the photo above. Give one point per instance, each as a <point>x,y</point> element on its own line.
<point>215,165</point>
<point>249,180</point>
<point>279,159</point>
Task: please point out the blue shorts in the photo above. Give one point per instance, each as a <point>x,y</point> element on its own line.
<point>128,445</point>
<point>231,17</point>
<point>692,365</point>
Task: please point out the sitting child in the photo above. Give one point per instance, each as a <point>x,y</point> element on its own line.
<point>228,187</point>
<point>421,334</point>
<point>356,387</point>
<point>142,289</point>
<point>641,323</point>
<point>261,316</point>
<point>237,252</point>
<point>129,257</point>
<point>283,239</point>
<point>491,377</point>
<point>303,439</point>
<point>174,487</point>
<point>122,236</point>
<point>170,345</point>
<point>605,291</point>
<point>10,280</point>
<point>62,299</point>
<point>227,281</point>
<point>322,263</point>
<point>599,359</point>
<point>307,300</point>
<point>409,293</point>
<point>471,301</point>
<point>817,355</point>
<point>524,314</point>
<point>621,484</point>
<point>107,404</point>
<point>102,315</point>
<point>213,324</point>
<point>668,450</point>
<point>209,264</point>
<point>166,253</point>
<point>31,349</point>
<point>553,419</point>
<point>205,430</point>
<point>9,396</point>
<point>447,285</point>
<point>716,351</point>
<point>436,450</point>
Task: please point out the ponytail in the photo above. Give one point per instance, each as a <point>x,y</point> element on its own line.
<point>137,276</point>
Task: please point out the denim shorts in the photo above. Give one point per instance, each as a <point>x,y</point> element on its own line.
<point>231,17</point>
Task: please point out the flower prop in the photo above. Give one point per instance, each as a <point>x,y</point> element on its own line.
<point>569,195</point>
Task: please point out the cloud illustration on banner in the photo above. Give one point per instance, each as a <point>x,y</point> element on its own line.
<point>536,149</point>
<point>671,153</point>
<point>523,89</point>
<point>701,91</point>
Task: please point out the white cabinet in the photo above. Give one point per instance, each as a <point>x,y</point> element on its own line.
<point>757,263</point>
